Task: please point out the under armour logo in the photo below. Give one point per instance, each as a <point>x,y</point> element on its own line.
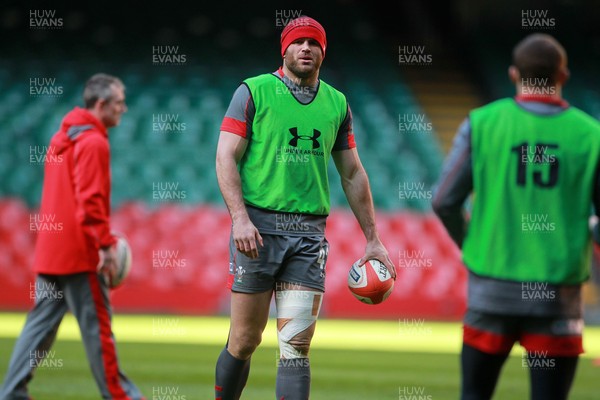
<point>296,137</point>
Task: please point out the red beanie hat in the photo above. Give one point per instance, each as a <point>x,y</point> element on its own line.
<point>303,27</point>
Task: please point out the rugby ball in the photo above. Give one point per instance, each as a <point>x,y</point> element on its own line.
<point>370,283</point>
<point>123,257</point>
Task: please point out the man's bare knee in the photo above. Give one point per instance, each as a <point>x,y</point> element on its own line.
<point>243,345</point>
<point>249,315</point>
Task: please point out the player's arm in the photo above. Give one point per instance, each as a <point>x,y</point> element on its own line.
<point>230,149</point>
<point>233,140</point>
<point>91,179</point>
<point>455,185</point>
<point>356,187</point>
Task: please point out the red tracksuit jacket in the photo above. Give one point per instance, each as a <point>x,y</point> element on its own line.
<point>73,221</point>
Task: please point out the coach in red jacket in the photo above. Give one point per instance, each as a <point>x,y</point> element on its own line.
<point>77,244</point>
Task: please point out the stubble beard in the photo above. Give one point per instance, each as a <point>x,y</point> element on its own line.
<point>301,72</point>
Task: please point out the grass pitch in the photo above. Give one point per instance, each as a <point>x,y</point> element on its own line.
<point>173,357</point>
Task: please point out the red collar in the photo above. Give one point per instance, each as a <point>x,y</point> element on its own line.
<point>280,72</point>
<point>542,99</point>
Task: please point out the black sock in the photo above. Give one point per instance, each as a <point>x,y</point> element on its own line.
<point>480,373</point>
<point>231,376</point>
<point>293,379</point>
<point>551,377</point>
<point>243,379</point>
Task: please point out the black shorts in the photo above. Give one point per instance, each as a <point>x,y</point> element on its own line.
<point>295,260</point>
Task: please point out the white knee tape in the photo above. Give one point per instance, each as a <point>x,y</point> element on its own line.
<point>297,310</point>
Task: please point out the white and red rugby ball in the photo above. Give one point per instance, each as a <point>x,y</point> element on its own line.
<point>370,283</point>
<point>123,257</point>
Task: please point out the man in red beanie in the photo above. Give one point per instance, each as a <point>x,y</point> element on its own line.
<point>70,250</point>
<point>277,137</point>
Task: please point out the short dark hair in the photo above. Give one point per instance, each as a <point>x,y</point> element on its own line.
<point>99,87</point>
<point>539,56</point>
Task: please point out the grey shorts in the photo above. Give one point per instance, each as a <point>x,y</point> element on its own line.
<point>295,260</point>
<point>496,334</point>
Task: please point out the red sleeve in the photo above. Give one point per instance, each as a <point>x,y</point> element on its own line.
<point>92,188</point>
<point>233,125</point>
<point>240,113</point>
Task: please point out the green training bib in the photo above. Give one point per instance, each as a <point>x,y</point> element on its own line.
<point>533,177</point>
<point>285,164</point>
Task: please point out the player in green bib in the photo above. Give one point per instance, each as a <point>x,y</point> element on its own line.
<point>277,138</point>
<point>532,166</point>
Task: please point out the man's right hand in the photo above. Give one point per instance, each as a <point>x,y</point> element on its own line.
<point>108,261</point>
<point>246,236</point>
